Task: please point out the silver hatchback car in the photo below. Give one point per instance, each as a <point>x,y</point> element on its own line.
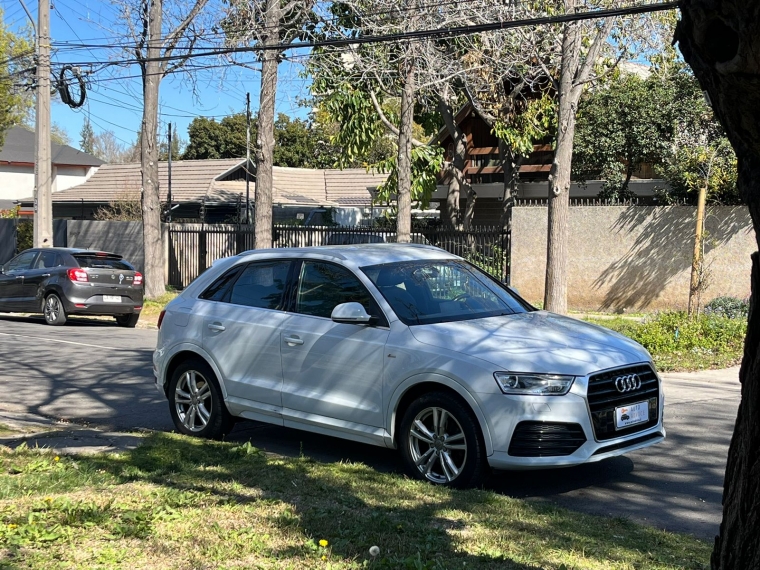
<point>407,347</point>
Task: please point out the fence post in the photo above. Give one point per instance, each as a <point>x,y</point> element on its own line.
<point>202,252</point>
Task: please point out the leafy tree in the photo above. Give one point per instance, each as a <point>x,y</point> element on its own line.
<point>16,52</point>
<point>622,125</point>
<point>87,140</point>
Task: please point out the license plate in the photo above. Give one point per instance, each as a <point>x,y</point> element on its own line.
<point>630,415</point>
<point>111,298</point>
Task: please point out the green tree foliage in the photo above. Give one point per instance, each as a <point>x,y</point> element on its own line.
<point>87,137</point>
<point>16,52</point>
<point>621,125</point>
<point>211,139</point>
<point>178,146</point>
<point>700,153</point>
<point>662,120</point>
<point>299,143</point>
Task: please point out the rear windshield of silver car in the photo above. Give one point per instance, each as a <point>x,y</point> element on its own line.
<point>439,291</point>
<point>92,261</point>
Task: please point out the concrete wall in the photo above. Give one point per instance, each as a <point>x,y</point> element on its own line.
<point>124,238</point>
<point>635,257</point>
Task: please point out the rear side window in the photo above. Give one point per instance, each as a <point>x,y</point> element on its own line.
<point>261,285</point>
<point>91,261</point>
<point>219,289</point>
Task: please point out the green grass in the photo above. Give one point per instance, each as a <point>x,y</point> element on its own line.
<point>178,502</point>
<point>679,343</point>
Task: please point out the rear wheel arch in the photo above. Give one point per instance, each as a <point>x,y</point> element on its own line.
<point>416,389</point>
<point>185,354</point>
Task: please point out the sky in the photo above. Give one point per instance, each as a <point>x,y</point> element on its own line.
<point>114,96</point>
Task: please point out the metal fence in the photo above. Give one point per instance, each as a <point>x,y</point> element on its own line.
<point>194,247</point>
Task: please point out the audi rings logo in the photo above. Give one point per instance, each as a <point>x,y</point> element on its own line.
<point>628,383</point>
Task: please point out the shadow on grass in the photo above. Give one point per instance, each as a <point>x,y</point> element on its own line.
<point>415,525</point>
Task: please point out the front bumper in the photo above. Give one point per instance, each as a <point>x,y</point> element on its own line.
<point>505,413</point>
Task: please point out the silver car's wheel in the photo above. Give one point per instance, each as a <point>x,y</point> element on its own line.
<point>195,401</point>
<point>440,441</point>
<point>53,310</point>
<point>437,445</point>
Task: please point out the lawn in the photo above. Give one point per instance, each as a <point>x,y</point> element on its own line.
<point>178,502</point>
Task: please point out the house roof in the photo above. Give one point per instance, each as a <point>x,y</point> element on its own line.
<point>19,147</point>
<point>223,181</point>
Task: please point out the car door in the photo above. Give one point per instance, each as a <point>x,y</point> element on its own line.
<point>332,372</point>
<point>35,278</point>
<point>241,331</point>
<point>12,281</point>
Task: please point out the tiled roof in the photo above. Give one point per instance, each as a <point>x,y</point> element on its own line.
<point>196,180</point>
<point>19,147</point>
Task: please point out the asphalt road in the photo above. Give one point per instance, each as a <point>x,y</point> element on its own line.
<point>95,373</point>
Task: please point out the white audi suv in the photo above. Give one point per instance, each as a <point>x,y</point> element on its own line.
<point>407,347</point>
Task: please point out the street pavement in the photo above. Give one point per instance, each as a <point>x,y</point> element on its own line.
<point>93,374</point>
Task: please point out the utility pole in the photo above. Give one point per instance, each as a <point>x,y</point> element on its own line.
<point>43,207</point>
<point>247,159</point>
<point>169,194</point>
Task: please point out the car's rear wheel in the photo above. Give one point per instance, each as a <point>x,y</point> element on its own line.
<point>441,443</point>
<point>128,321</point>
<point>195,401</point>
<point>53,310</point>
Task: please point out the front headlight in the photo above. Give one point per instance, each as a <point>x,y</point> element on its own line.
<point>533,384</point>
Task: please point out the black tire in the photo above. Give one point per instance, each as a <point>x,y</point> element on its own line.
<point>207,401</point>
<point>442,464</point>
<point>127,321</point>
<point>53,310</point>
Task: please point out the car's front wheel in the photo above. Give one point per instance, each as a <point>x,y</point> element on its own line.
<point>195,401</point>
<point>440,441</point>
<point>53,310</point>
<point>128,321</point>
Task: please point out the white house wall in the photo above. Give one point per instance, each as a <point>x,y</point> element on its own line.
<point>17,180</point>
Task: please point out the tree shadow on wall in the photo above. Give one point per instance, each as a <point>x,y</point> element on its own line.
<point>661,251</point>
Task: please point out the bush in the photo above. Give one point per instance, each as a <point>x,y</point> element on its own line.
<point>729,307</point>
<point>678,342</point>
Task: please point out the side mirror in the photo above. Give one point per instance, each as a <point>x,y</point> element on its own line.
<point>351,314</point>
<point>2,269</point>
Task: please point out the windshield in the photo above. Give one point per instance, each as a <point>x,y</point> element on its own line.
<point>439,291</point>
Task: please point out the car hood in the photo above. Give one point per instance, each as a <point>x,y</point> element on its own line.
<point>535,342</point>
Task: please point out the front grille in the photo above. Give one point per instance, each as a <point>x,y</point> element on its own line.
<point>544,439</point>
<point>603,398</point>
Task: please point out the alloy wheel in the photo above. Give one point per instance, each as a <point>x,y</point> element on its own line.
<point>52,309</point>
<point>437,445</point>
<point>192,400</point>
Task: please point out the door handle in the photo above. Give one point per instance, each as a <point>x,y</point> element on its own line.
<point>292,340</point>
<point>216,327</point>
<point>46,274</point>
<point>20,277</point>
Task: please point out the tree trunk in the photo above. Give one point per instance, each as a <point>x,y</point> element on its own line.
<point>696,261</point>
<point>151,200</point>
<point>720,40</point>
<point>511,166</point>
<point>458,182</point>
<point>555,292</point>
<point>265,131</point>
<point>404,163</point>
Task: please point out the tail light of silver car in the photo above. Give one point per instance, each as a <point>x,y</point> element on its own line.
<point>78,275</point>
